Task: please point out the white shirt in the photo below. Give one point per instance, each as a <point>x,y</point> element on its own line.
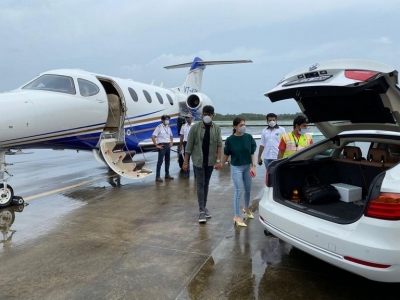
<point>163,134</point>
<point>270,139</point>
<point>185,130</point>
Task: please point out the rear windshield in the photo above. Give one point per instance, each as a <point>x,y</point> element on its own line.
<point>54,83</point>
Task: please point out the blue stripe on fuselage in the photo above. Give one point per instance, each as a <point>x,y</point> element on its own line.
<point>89,141</point>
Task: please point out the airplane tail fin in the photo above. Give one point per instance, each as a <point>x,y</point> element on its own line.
<point>193,80</point>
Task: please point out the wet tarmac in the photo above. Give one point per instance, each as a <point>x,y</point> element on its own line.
<point>87,234</point>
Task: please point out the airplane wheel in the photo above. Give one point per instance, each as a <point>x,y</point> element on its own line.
<point>17,200</point>
<point>7,218</point>
<point>7,197</point>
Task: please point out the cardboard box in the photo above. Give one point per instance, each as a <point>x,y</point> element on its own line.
<point>348,193</point>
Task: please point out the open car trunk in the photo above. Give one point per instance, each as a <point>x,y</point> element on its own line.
<point>344,95</point>
<point>357,162</point>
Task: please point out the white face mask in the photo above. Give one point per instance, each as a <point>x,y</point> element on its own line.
<point>303,130</point>
<point>166,122</point>
<point>207,119</point>
<point>272,124</point>
<point>242,129</point>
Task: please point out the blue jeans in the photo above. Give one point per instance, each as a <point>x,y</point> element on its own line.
<point>241,180</point>
<point>267,162</point>
<point>164,152</point>
<point>203,176</point>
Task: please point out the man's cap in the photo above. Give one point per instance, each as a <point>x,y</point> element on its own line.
<point>189,115</point>
<point>300,120</point>
<point>164,117</point>
<point>208,109</point>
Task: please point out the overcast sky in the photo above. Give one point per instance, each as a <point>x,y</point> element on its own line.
<point>136,39</point>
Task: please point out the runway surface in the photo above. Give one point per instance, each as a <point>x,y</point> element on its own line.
<point>87,234</point>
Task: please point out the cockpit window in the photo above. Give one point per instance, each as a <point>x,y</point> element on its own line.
<point>54,83</point>
<point>87,88</point>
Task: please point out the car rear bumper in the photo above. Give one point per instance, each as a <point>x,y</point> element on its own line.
<point>334,243</point>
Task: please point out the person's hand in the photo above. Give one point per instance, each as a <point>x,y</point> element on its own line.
<point>159,147</point>
<point>253,171</point>
<point>171,144</point>
<point>260,161</point>
<point>218,166</point>
<point>185,166</point>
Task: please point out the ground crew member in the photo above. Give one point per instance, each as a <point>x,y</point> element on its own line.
<point>296,140</point>
<point>270,139</point>
<point>163,139</point>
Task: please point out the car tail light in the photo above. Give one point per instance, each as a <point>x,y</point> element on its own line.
<point>361,75</point>
<point>366,263</point>
<point>386,206</point>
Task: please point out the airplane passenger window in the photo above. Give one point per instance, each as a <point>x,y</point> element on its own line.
<point>87,88</point>
<point>160,99</point>
<point>147,95</point>
<point>53,83</point>
<point>170,100</point>
<point>133,94</point>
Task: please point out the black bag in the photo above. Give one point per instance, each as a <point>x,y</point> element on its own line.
<point>318,193</point>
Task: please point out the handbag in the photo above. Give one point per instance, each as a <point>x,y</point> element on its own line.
<point>317,193</point>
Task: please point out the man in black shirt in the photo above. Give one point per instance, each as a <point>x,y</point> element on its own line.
<point>204,145</point>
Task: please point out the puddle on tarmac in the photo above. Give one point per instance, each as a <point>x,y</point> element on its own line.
<point>20,225</point>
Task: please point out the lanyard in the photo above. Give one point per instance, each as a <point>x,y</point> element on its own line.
<point>296,141</point>
<point>166,131</point>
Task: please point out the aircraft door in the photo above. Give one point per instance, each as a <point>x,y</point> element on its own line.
<point>121,160</point>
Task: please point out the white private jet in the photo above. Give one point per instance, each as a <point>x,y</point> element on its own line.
<point>112,117</point>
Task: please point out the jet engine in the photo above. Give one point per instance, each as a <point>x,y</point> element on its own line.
<point>195,102</point>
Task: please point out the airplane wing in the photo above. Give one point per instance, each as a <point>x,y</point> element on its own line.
<point>19,151</point>
<point>149,145</point>
<point>209,63</point>
<point>255,136</point>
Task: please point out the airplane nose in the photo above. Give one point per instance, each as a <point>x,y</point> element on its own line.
<point>19,115</point>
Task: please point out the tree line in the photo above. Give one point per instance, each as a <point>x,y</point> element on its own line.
<point>253,117</point>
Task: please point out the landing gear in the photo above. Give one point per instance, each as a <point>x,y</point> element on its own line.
<point>6,191</point>
<point>17,200</point>
<point>6,195</point>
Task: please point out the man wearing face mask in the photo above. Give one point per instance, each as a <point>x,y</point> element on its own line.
<point>163,140</point>
<point>296,140</point>
<point>183,138</point>
<point>204,144</point>
<point>270,139</point>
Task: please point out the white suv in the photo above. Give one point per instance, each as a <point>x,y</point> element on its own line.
<point>356,106</point>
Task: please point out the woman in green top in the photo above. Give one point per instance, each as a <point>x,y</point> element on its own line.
<point>241,147</point>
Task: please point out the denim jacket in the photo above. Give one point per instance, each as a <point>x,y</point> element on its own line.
<point>195,141</point>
